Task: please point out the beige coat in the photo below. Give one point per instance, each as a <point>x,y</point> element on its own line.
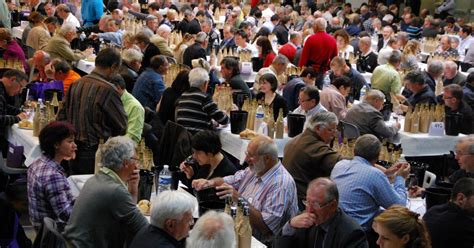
<point>38,38</point>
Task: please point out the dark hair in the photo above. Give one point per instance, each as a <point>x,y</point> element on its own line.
<point>142,37</point>
<point>206,141</point>
<point>242,33</point>
<point>455,90</point>
<point>274,18</point>
<point>232,64</point>
<point>270,78</point>
<point>244,25</point>
<point>258,14</point>
<point>157,61</point>
<point>181,82</point>
<point>466,29</point>
<point>342,81</point>
<point>61,66</point>
<point>35,17</point>
<point>52,134</point>
<point>464,186</point>
<point>343,33</point>
<point>285,20</point>
<point>308,71</point>
<point>415,77</point>
<point>20,76</point>
<point>201,13</point>
<point>266,46</point>
<point>364,34</point>
<point>262,32</point>
<point>312,92</point>
<point>118,81</point>
<point>154,6</point>
<point>470,78</point>
<point>51,19</point>
<point>107,58</point>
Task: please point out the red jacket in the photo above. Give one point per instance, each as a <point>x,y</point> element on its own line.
<point>318,51</point>
<point>289,50</point>
<point>268,59</point>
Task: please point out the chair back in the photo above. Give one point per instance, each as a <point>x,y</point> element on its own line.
<point>51,236</point>
<point>349,130</point>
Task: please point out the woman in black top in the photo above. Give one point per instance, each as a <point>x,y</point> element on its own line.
<point>208,160</point>
<point>268,97</point>
<point>167,104</point>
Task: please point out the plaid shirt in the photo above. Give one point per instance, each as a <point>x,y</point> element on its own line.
<point>49,194</point>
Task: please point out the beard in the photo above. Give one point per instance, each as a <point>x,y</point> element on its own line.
<point>258,166</point>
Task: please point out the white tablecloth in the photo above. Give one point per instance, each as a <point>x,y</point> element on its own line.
<point>25,138</point>
<point>85,66</point>
<point>417,205</point>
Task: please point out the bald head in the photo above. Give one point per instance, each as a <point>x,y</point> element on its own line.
<point>320,25</point>
<point>364,44</point>
<point>327,185</point>
<point>212,230</point>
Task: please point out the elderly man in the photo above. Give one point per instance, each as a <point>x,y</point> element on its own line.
<point>151,25</point>
<point>452,75</point>
<point>434,73</point>
<point>150,85</point>
<point>364,188</point>
<point>171,218</point>
<point>114,34</point>
<point>318,50</point>
<point>290,48</point>
<point>277,68</point>
<point>323,221</point>
<point>212,34</point>
<point>309,102</point>
<point>367,61</point>
<point>308,155</point>
<point>230,71</point>
<point>101,117</point>
<point>454,104</point>
<point>228,40</point>
<point>64,12</point>
<point>368,118</point>
<point>148,49</point>
<point>195,110</point>
<point>387,33</point>
<point>189,24</point>
<point>196,50</point>
<point>132,60</point>
<point>292,89</point>
<point>420,91</point>
<point>451,224</point>
<point>105,214</point>
<point>59,46</point>
<point>161,40</point>
<point>445,48</point>
<point>212,230</point>
<point>260,184</point>
<point>340,68</point>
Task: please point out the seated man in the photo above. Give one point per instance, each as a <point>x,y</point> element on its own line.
<point>465,158</point>
<point>261,185</point>
<point>340,68</point>
<point>114,33</point>
<point>240,38</point>
<point>454,104</point>
<point>309,102</point>
<point>150,84</point>
<point>451,224</point>
<point>230,71</point>
<point>170,221</point>
<point>308,155</point>
<point>59,46</point>
<point>323,221</point>
<point>368,118</point>
<point>161,40</point>
<point>105,214</point>
<point>367,61</point>
<point>433,73</point>
<point>452,75</point>
<point>195,110</point>
<point>363,188</point>
<point>420,91</point>
<point>291,91</point>
<point>196,50</point>
<point>212,230</point>
<point>64,72</point>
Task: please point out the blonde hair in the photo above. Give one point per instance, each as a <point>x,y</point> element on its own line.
<point>412,47</point>
<point>401,221</point>
<point>187,37</point>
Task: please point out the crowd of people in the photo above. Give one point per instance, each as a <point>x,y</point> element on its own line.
<point>313,196</point>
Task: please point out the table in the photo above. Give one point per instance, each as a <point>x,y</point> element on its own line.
<point>417,205</point>
<point>85,66</point>
<point>25,138</point>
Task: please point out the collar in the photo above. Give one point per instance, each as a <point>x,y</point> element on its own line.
<point>113,175</point>
<point>166,235</point>
<point>362,160</point>
<point>316,109</point>
<point>269,174</point>
<point>53,164</point>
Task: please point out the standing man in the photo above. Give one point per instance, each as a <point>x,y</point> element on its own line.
<point>91,11</point>
<point>150,85</point>
<point>318,50</point>
<point>101,116</point>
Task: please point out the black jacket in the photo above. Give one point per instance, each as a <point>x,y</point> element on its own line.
<point>151,236</point>
<point>281,32</point>
<point>149,53</point>
<point>426,95</point>
<point>278,103</point>
<point>467,121</point>
<point>367,63</point>
<point>7,117</point>
<point>195,51</point>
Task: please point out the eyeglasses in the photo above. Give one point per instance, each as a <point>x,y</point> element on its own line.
<point>315,205</point>
<point>133,159</point>
<point>250,155</point>
<point>22,87</point>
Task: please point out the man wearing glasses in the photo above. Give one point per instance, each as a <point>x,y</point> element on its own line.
<point>12,83</point>
<point>465,158</point>
<point>453,100</point>
<point>323,223</point>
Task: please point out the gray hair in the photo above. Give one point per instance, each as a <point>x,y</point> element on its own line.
<point>469,140</point>
<point>368,146</point>
<point>116,151</point>
<point>163,28</point>
<point>151,18</point>
<point>436,67</point>
<point>131,55</point>
<point>376,21</point>
<point>170,204</point>
<point>320,24</point>
<point>322,119</point>
<point>67,28</point>
<point>212,230</point>
<point>207,22</point>
<point>280,59</point>
<point>266,146</point>
<point>200,37</point>
<point>330,187</point>
<point>395,57</point>
<point>450,65</point>
<point>373,95</point>
<point>366,41</point>
<point>198,77</point>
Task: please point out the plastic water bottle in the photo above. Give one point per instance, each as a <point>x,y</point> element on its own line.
<point>363,91</point>
<point>259,116</point>
<point>164,181</point>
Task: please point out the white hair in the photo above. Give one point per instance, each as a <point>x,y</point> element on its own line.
<point>373,95</point>
<point>323,119</point>
<point>163,28</point>
<point>198,77</point>
<point>67,28</point>
<point>116,151</point>
<point>320,24</point>
<point>170,204</point>
<point>131,55</point>
<point>212,230</point>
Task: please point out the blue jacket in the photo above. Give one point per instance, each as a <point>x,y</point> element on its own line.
<point>91,11</point>
<point>149,88</point>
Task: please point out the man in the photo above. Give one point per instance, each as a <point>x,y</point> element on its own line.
<point>468,90</point>
<point>452,74</point>
<point>195,110</point>
<point>161,40</point>
<point>386,77</point>
<point>59,46</point>
<point>189,24</point>
<point>169,224</point>
<point>228,40</point>
<point>230,71</point>
<point>433,73</point>
<point>196,50</point>
<point>5,15</point>
<point>151,25</point>
<point>281,30</point>
<point>91,11</point>
<point>101,117</point>
<point>270,25</point>
<point>242,45</point>
<point>64,72</point>
<point>364,188</point>
<point>308,155</point>
<point>11,84</point>
<point>114,34</point>
<point>318,50</point>
<point>452,224</point>
<point>323,222</point>
<point>334,25</point>
<point>132,61</point>
<point>150,85</point>
<point>37,6</point>
<point>260,184</point>
<point>340,68</point>
<point>290,48</point>
<point>385,52</point>
<point>64,12</point>
<point>309,103</point>
<point>148,49</point>
<point>50,9</point>
<point>105,214</point>
<point>464,156</point>
<point>292,89</point>
<point>278,68</point>
<point>445,48</point>
<point>367,61</point>
<point>387,33</point>
<point>212,230</point>
<point>212,35</point>
<point>420,91</point>
<point>466,39</point>
<point>454,104</point>
<point>368,118</point>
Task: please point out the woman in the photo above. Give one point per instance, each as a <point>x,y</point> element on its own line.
<point>333,97</point>
<point>399,227</point>
<point>409,61</point>
<point>166,106</point>
<point>208,161</point>
<point>39,35</point>
<point>188,40</point>
<point>12,51</point>
<point>342,41</point>
<point>263,32</point>
<point>49,194</point>
<point>268,97</point>
<point>265,51</point>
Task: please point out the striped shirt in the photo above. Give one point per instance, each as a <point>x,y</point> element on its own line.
<point>94,107</point>
<point>195,111</point>
<point>273,194</point>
